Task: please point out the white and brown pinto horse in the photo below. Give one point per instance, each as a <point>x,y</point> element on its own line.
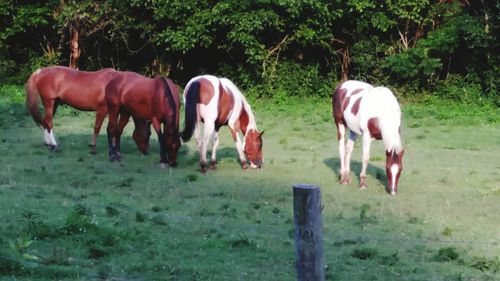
<point>217,102</point>
<point>373,113</point>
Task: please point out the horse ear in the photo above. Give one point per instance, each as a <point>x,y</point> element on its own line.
<point>261,133</point>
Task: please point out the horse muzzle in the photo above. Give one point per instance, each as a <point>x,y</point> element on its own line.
<point>256,164</point>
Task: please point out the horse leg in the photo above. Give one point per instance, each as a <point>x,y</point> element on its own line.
<point>49,137</point>
<point>161,139</point>
<point>99,118</point>
<point>111,130</point>
<point>207,133</point>
<point>341,139</point>
<point>122,122</point>
<point>199,145</point>
<point>366,157</point>
<point>348,151</point>
<point>239,148</point>
<point>215,145</point>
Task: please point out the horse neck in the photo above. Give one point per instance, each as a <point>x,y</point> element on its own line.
<point>391,130</point>
<point>247,119</point>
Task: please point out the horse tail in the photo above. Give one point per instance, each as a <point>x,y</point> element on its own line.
<point>191,99</point>
<point>32,96</point>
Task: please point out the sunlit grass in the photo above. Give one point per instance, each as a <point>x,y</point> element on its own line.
<point>89,219</point>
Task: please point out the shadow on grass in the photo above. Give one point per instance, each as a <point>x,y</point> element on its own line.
<point>374,171</point>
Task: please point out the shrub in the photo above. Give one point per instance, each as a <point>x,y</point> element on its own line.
<point>447,254</point>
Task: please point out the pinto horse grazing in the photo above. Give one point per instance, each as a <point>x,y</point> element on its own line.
<point>218,102</point>
<point>81,90</point>
<point>157,100</point>
<point>373,113</point>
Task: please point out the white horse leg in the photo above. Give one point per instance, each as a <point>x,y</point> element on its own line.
<point>215,145</point>
<point>348,151</point>
<point>366,157</point>
<point>207,133</point>
<point>46,136</point>
<point>239,147</point>
<point>341,134</point>
<point>50,139</point>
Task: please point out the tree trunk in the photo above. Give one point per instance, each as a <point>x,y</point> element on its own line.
<point>74,47</point>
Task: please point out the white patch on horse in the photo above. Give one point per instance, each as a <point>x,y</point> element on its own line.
<point>394,173</point>
<point>46,136</point>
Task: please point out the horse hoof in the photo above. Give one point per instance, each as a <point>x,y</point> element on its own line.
<point>244,166</point>
<point>52,147</point>
<point>163,165</point>
<point>213,165</point>
<point>203,168</point>
<point>362,183</point>
<point>93,152</point>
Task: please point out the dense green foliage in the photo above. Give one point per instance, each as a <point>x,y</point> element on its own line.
<point>449,48</point>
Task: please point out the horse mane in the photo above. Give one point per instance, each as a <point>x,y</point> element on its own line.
<point>390,120</point>
<point>168,94</point>
<point>252,125</point>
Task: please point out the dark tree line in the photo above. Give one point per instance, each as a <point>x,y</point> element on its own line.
<point>286,47</point>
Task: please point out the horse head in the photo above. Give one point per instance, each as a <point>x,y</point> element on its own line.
<point>393,168</point>
<point>253,148</point>
<point>141,135</point>
<point>173,143</point>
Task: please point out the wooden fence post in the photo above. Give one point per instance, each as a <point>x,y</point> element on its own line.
<point>308,232</point>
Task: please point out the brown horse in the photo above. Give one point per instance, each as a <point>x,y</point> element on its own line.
<point>157,100</point>
<point>81,90</point>
<point>218,102</point>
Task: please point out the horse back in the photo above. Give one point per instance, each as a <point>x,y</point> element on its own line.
<point>82,90</point>
<point>341,97</point>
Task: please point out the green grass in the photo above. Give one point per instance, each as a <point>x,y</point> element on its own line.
<point>70,215</point>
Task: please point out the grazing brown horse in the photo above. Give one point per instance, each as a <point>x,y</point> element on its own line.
<point>81,90</point>
<point>218,102</point>
<point>157,100</point>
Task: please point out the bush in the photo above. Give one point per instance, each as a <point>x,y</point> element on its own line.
<point>413,67</point>
<point>293,79</point>
<point>461,89</point>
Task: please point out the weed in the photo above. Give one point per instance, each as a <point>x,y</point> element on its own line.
<point>484,264</point>
<point>255,205</point>
<point>191,178</point>
<point>21,246</point>
<point>390,260</point>
<point>415,220</point>
<point>140,217</point>
<point>364,253</point>
<point>364,209</point>
<point>78,221</point>
<point>283,142</point>
<point>126,182</point>
<point>156,209</point>
<point>447,231</point>
<point>243,242</point>
<point>447,254</point>
<point>111,211</point>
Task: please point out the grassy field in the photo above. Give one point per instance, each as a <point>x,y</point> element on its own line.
<point>69,215</point>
